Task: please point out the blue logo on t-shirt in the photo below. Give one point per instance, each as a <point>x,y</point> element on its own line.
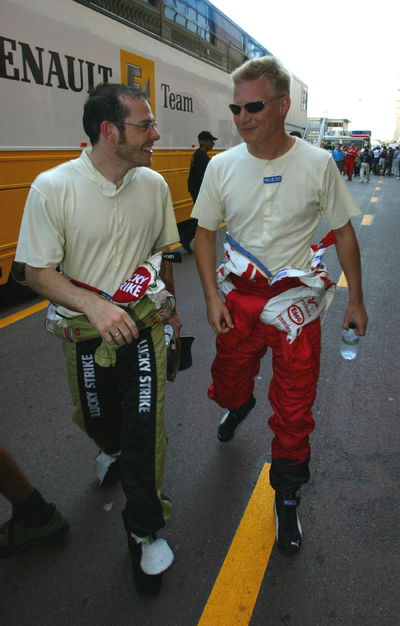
<point>272,179</point>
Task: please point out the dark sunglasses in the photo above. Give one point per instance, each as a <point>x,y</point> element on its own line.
<point>252,107</point>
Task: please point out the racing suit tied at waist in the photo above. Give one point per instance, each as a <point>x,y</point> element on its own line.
<point>288,300</point>
<point>143,296</point>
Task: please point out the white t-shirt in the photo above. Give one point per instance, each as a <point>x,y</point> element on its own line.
<point>77,219</point>
<point>272,208</point>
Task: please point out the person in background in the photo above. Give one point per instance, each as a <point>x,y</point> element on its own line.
<point>366,163</point>
<point>33,520</point>
<point>338,157</point>
<point>103,220</point>
<point>350,155</point>
<point>375,164</point>
<point>396,162</point>
<point>271,190</point>
<point>382,160</point>
<point>357,166</point>
<point>387,170</point>
<point>198,166</point>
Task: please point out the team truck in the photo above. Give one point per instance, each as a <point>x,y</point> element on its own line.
<point>52,52</point>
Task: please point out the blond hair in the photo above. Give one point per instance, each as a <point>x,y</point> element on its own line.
<point>264,67</point>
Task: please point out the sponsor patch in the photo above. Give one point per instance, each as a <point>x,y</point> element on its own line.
<point>133,288</point>
<point>163,314</point>
<point>296,314</point>
<point>272,179</point>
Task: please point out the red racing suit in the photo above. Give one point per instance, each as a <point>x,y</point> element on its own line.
<point>295,367</point>
<point>349,158</point>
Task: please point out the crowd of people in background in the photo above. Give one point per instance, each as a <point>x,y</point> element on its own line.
<point>380,160</point>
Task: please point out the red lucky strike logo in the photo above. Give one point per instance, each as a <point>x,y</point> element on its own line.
<point>296,314</point>
<point>133,288</point>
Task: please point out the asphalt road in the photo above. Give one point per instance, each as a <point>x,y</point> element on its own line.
<point>347,572</point>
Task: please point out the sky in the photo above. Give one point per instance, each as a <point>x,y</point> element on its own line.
<point>347,52</point>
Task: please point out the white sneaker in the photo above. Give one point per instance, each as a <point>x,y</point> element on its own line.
<point>156,557</point>
<point>103,463</point>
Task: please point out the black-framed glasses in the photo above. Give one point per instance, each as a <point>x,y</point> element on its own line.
<point>144,127</point>
<point>252,107</point>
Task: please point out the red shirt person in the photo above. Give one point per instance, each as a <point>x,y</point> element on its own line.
<point>350,155</point>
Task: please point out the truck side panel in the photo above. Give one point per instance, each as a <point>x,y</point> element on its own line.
<point>51,53</point>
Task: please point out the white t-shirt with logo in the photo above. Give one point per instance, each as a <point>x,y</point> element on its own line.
<point>273,207</point>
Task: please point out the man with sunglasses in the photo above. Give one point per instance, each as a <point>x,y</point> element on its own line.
<point>271,191</point>
<point>88,230</point>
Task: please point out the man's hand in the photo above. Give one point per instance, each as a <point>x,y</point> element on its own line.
<point>358,316</point>
<point>219,317</point>
<point>113,323</point>
<point>175,322</point>
<point>218,314</point>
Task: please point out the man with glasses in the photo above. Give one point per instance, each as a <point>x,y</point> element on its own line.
<point>268,293</point>
<point>89,228</point>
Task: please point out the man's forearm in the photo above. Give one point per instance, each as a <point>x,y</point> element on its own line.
<point>113,323</point>
<point>50,284</point>
<point>349,257</point>
<point>348,253</point>
<point>218,314</point>
<point>206,261</point>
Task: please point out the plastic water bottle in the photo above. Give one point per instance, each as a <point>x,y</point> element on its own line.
<point>349,343</point>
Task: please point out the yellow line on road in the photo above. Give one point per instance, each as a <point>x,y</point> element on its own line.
<point>6,321</point>
<point>367,220</point>
<point>374,199</point>
<point>235,591</point>
<point>378,188</point>
<point>342,282</point>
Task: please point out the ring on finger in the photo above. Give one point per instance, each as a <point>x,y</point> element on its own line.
<point>116,333</point>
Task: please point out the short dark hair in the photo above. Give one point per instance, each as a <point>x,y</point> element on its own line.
<point>105,102</point>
